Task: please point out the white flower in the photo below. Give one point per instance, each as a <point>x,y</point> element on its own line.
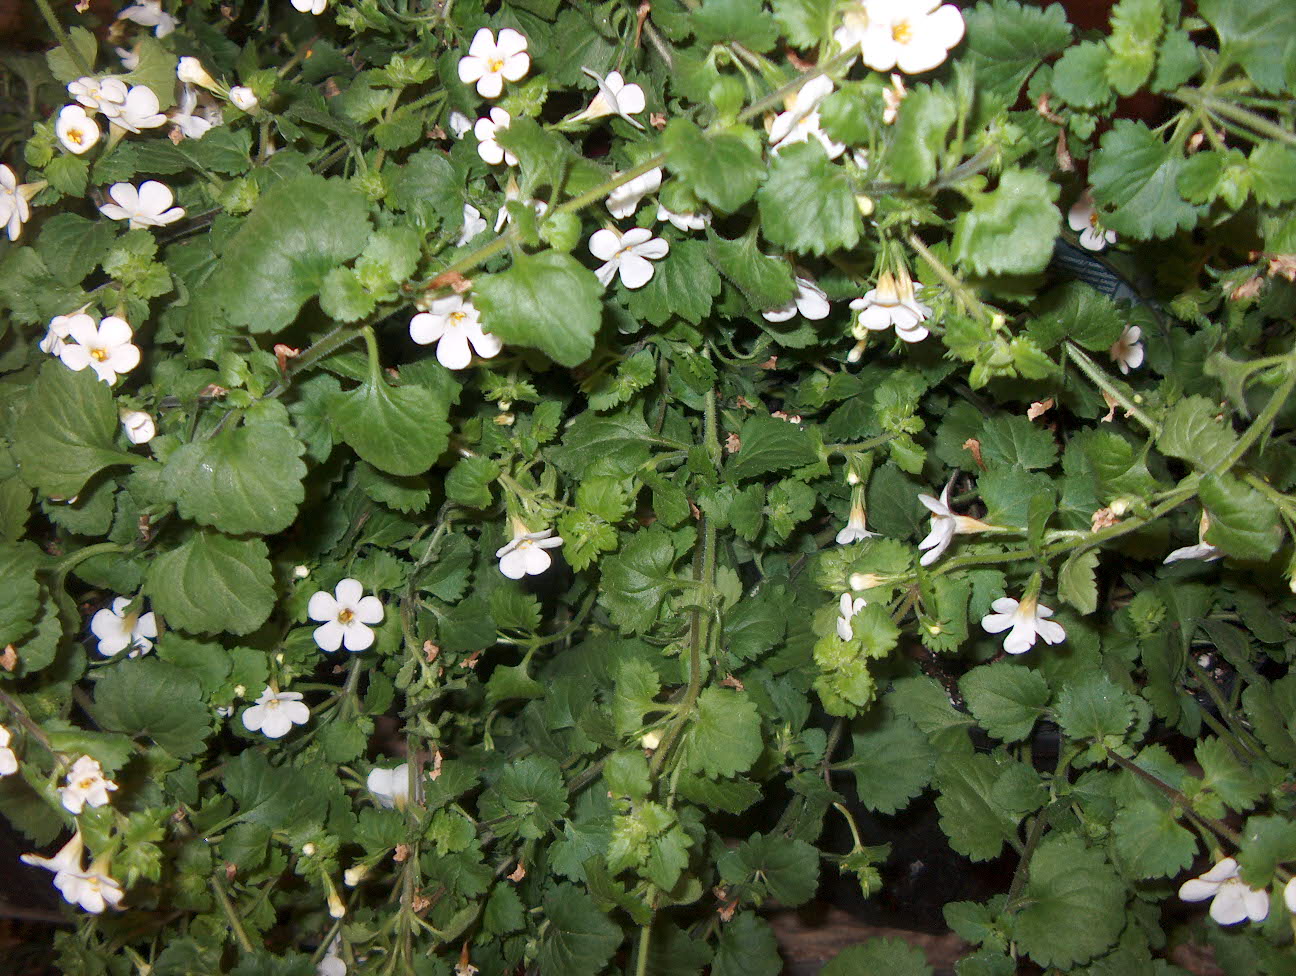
<point>149,13</point>
<point>191,72</point>
<point>191,126</point>
<point>459,124</point>
<point>490,63</point>
<point>1028,619</point>
<point>849,607</point>
<point>1083,218</point>
<point>810,300</point>
<point>513,192</point>
<point>243,98</point>
<point>140,110</point>
<point>118,630</point>
<point>76,131</point>
<point>801,120</point>
<point>1127,351</point>
<point>86,786</point>
<point>1231,900</point>
<point>855,529</point>
<point>892,302</point>
<point>315,7</point>
<point>14,196</point>
<point>454,325</point>
<point>107,349</point>
<point>630,254</point>
<point>129,59</point>
<point>390,786</point>
<point>487,147</point>
<point>92,891</point>
<point>60,328</point>
<point>148,206</point>
<point>275,712</point>
<point>945,524</point>
<point>473,224</point>
<point>685,221</point>
<point>614,97</point>
<point>139,427</point>
<point>332,964</point>
<point>1289,895</point>
<point>525,555</point>
<point>1203,550</point>
<point>8,761</point>
<point>106,95</point>
<point>624,200</point>
<point>912,35</point>
<point>346,616</point>
<point>68,859</point>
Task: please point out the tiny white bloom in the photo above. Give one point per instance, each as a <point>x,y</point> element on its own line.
<point>892,303</point>
<point>129,59</point>
<point>525,555</point>
<point>473,224</point>
<point>891,99</point>
<point>106,95</point>
<point>148,206</point>
<point>490,63</point>
<point>301,572</point>
<point>346,615</point>
<point>810,300</point>
<point>332,964</point>
<point>14,196</point>
<point>149,13</point>
<point>614,97</point>
<point>184,118</point>
<point>459,124</point>
<point>76,131</point>
<point>117,630</point>
<point>454,325</point>
<point>60,327</point>
<point>1203,550</point>
<point>1083,219</point>
<point>243,97</point>
<point>513,192</point>
<point>801,120</point>
<point>275,713</point>
<point>315,7</point>
<point>855,529</point>
<point>1027,620</point>
<point>8,761</point>
<point>848,608</point>
<point>107,349</point>
<point>191,72</point>
<point>945,524</point>
<point>139,427</point>
<point>390,786</point>
<point>1231,900</point>
<point>1127,351</point>
<point>912,35</point>
<point>1289,895</point>
<point>624,200</point>
<point>488,148</point>
<point>86,786</point>
<point>685,221</point>
<point>92,891</point>
<point>630,255</point>
<point>141,110</point>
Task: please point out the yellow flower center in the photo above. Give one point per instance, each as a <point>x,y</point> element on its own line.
<point>345,616</point>
<point>1093,219</point>
<point>76,136</point>
<point>99,355</point>
<point>902,32</point>
<point>86,783</point>
<point>458,317</point>
<point>495,64</point>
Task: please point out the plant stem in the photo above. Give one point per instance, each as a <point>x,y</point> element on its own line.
<point>1262,422</point>
<point>231,916</point>
<point>1104,383</point>
<point>1023,864</point>
<point>61,33</point>
<point>1257,123</point>
<point>645,939</point>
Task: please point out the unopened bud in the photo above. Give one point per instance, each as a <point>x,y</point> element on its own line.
<point>863,581</point>
<point>852,477</point>
<point>354,875</point>
<point>138,425</point>
<point>650,740</point>
<point>309,849</point>
<point>244,98</point>
<point>1119,507</point>
<point>240,691</point>
<point>865,205</point>
<point>191,72</point>
<point>301,572</point>
<point>335,906</point>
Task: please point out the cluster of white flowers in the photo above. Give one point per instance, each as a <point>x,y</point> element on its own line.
<point>92,890</point>
<point>106,348</point>
<point>800,121</point>
<point>15,201</point>
<point>911,35</point>
<point>345,617</point>
<point>893,303</point>
<point>127,108</point>
<point>86,786</point>
<point>1232,901</point>
<point>117,630</point>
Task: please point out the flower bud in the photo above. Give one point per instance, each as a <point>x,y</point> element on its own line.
<point>352,876</point>
<point>335,906</point>
<point>139,426</point>
<point>650,740</point>
<point>191,72</point>
<point>865,205</point>
<point>301,572</point>
<point>309,849</point>
<point>244,98</point>
<point>863,581</point>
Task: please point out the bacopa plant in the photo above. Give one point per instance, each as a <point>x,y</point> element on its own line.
<point>505,488</point>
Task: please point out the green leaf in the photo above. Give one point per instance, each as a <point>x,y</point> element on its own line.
<point>1076,582</point>
<point>976,826</point>
<point>891,760</point>
<point>427,187</point>
<point>920,135</point>
<point>1068,882</point>
<point>1007,41</point>
<point>580,939</point>
<point>72,246</point>
<point>211,583</point>
<point>894,957</point>
<point>1193,430</point>
<point>747,947</point>
<point>20,594</point>
<point>1078,313</point>
<point>67,431</point>
<point>1136,27</point>
<point>530,793</point>
<point>754,625</point>
<point>637,579</point>
<point>611,445</point>
<point>1258,36</point>
<point>1229,777</point>
<point>683,285</point>
<point>636,689</point>
<point>1266,843</point>
<point>723,169</point>
<point>1243,522</point>
<point>1095,708</point>
<point>63,64</point>
<point>398,429</point>
<point>1272,166</point>
<point>1134,176</point>
<point>298,232</point>
<point>1015,440</point>
<point>343,298</point>
<point>783,867</point>
<point>808,204</point>
<point>724,738</point>
<point>152,698</point>
<point>766,282</point>
<point>545,301</point>
<point>1011,229</point>
<point>1080,75</point>
<point>470,480</point>
<point>1006,698</point>
<point>769,444</point>
<point>248,479</point>
<point>1150,842</point>
<point>273,797</point>
<point>806,23</point>
<point>743,21</point>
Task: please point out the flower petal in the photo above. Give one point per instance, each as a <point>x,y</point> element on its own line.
<point>358,637</point>
<point>603,244</point>
<point>349,591</point>
<point>537,560</point>
<point>513,564</point>
<point>329,636</point>
<point>635,271</point>
<point>369,610</point>
<point>322,606</point>
<point>452,351</point>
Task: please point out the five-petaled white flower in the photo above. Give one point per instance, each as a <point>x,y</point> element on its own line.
<point>614,97</point>
<point>118,630</point>
<point>473,224</point>
<point>488,148</point>
<point>912,35</point>
<point>945,525</point>
<point>8,761</point>
<point>1027,620</point>
<point>315,7</point>
<point>684,221</point>
<point>92,890</point>
<point>855,529</point>
<point>15,209</point>
<point>139,428</point>
<point>1203,550</point>
<point>810,300</point>
<point>106,95</point>
<point>148,206</point>
<point>76,131</point>
<point>525,555</point>
<point>1083,219</point>
<point>107,349</point>
<point>275,712</point>
<point>149,13</point>
<point>892,303</point>
<point>490,63</point>
<point>345,616</point>
<point>60,327</point>
<point>86,786</point>
<point>630,255</point>
<point>191,125</point>
<point>1127,351</point>
<point>1231,900</point>
<point>140,111</point>
<point>801,120</point>
<point>391,786</point>
<point>624,200</point>
<point>454,325</point>
<point>848,608</point>
<point>243,98</point>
